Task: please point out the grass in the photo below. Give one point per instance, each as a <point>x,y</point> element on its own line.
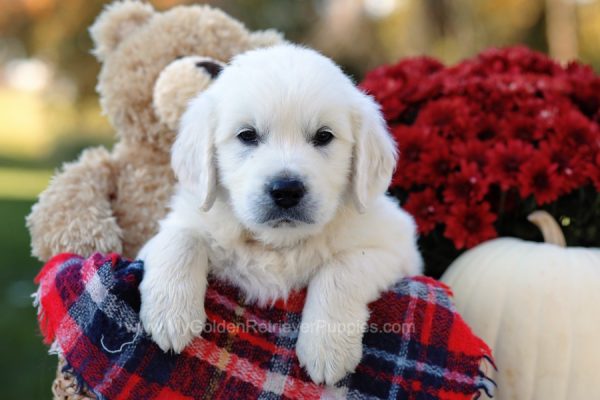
<point>26,368</point>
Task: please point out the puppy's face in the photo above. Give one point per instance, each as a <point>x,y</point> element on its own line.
<point>284,149</point>
<point>283,134</point>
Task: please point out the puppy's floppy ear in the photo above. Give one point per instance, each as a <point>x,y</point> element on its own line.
<point>193,155</point>
<point>375,153</point>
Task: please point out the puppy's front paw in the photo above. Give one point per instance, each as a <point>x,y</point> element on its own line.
<point>172,314</point>
<point>328,350</point>
<point>172,290</point>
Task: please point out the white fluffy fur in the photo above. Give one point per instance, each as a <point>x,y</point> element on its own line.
<point>358,244</point>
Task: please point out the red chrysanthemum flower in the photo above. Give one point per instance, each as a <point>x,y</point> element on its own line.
<point>400,86</point>
<point>412,143</point>
<point>392,107</point>
<point>523,128</point>
<point>539,179</point>
<point>486,128</point>
<point>448,116</point>
<point>466,185</point>
<point>472,152</point>
<point>575,131</point>
<point>516,60</point>
<point>568,163</point>
<point>506,161</point>
<point>426,208</point>
<point>482,135</point>
<point>468,224</point>
<point>437,164</point>
<point>593,171</point>
<point>585,88</point>
<point>386,91</point>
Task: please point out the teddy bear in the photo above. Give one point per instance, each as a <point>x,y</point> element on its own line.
<point>152,64</point>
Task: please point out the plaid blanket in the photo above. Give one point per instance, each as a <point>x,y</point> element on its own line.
<point>415,346</point>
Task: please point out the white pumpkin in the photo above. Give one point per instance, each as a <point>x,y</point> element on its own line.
<point>538,306</point>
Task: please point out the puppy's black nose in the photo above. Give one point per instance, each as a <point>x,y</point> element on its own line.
<point>287,192</point>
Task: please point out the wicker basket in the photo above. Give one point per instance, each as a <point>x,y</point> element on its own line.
<point>65,387</point>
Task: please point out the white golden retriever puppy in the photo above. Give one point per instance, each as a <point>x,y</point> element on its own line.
<point>283,166</point>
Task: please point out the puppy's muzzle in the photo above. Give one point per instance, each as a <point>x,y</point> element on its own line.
<point>286,192</point>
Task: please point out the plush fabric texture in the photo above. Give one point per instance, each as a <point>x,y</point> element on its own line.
<point>125,191</point>
<point>415,347</point>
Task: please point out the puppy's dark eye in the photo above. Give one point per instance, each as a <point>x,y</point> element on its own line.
<point>323,137</point>
<point>248,136</point>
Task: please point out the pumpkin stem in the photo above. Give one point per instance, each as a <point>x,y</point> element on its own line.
<point>550,229</point>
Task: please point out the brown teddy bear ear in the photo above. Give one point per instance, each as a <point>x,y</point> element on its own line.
<point>266,38</point>
<point>179,82</point>
<point>117,21</point>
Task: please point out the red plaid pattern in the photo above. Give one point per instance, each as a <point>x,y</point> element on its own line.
<point>415,347</point>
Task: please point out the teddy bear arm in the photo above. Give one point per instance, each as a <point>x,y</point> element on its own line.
<point>74,213</point>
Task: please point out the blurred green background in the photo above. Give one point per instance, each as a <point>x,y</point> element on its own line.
<point>49,110</point>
